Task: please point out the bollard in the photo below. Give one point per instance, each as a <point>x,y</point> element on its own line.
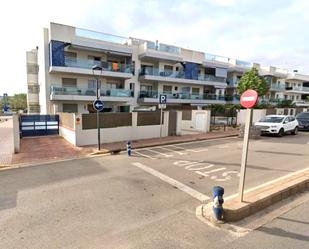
<point>217,194</point>
<point>129,148</point>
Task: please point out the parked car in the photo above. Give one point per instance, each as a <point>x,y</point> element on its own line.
<point>303,120</point>
<point>278,124</point>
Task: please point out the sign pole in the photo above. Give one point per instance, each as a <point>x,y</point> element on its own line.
<point>161,117</point>
<point>98,116</point>
<point>244,155</point>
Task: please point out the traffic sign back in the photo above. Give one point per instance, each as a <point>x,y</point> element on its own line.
<point>249,98</point>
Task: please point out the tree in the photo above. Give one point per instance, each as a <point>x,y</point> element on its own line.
<point>252,80</point>
<point>18,102</point>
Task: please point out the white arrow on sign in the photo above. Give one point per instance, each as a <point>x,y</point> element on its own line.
<point>98,105</point>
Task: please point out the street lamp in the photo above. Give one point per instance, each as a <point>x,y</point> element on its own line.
<point>98,68</point>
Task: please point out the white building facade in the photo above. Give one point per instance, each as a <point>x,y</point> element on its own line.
<point>135,72</point>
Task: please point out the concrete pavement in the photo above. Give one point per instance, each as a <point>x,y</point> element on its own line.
<point>108,202</point>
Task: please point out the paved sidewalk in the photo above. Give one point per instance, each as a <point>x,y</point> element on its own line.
<point>46,148</point>
<point>109,147</point>
<point>53,148</point>
<point>6,142</point>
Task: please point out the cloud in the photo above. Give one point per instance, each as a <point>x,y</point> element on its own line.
<point>273,33</point>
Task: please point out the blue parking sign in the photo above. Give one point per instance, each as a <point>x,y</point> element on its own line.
<point>162,99</point>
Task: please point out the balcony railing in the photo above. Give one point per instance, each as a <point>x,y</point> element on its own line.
<point>88,64</point>
<point>162,47</point>
<point>297,88</point>
<point>277,87</point>
<point>91,92</point>
<point>101,36</point>
<point>216,58</point>
<point>178,75</point>
<point>186,96</point>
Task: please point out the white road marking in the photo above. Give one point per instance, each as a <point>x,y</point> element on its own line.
<point>190,191</point>
<point>155,151</point>
<point>190,150</point>
<point>177,152</point>
<point>268,183</point>
<point>143,155</point>
<point>206,173</point>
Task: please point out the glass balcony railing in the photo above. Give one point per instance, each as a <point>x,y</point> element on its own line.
<point>216,58</point>
<point>91,92</point>
<point>88,64</point>
<point>163,47</point>
<point>187,96</point>
<point>244,63</point>
<point>101,36</point>
<point>277,87</point>
<point>179,75</point>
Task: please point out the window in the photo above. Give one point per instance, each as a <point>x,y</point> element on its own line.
<point>72,108</point>
<point>92,84</point>
<point>167,89</point>
<point>297,97</point>
<point>33,89</point>
<point>185,89</point>
<point>69,82</point>
<point>146,88</point>
<point>71,56</point>
<point>94,60</point>
<point>195,91</point>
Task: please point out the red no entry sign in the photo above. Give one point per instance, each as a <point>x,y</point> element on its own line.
<point>249,98</point>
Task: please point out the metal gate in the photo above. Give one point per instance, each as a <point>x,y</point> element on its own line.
<point>39,125</point>
<point>172,123</point>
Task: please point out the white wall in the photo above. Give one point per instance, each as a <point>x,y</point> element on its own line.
<point>16,137</point>
<point>257,115</point>
<point>191,124</point>
<point>109,135</point>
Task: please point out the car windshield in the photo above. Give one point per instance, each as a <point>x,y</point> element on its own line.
<point>303,115</point>
<point>272,119</point>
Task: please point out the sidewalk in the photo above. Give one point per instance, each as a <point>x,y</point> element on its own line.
<point>118,146</point>
<point>6,142</point>
<point>54,148</point>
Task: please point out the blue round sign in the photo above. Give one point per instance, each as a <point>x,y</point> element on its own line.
<point>98,105</point>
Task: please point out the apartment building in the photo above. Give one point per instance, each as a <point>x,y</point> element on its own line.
<point>134,72</point>
<point>33,105</point>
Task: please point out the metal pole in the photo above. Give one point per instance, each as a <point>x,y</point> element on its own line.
<point>244,155</point>
<point>98,116</point>
<point>161,121</point>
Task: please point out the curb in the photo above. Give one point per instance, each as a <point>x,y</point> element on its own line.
<point>262,197</point>
<point>104,152</point>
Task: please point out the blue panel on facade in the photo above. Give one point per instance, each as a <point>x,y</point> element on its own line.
<point>191,70</point>
<point>57,53</point>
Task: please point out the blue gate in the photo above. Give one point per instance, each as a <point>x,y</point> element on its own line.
<point>39,125</point>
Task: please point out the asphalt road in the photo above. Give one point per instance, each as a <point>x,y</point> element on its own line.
<point>147,200</point>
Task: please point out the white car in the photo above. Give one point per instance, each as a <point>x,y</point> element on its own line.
<point>278,124</point>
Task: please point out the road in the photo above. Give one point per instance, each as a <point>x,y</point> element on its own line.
<point>147,200</point>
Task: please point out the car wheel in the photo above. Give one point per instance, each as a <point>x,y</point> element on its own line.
<point>281,132</point>
<point>295,131</point>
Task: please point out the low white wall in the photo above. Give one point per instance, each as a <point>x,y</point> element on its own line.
<point>109,135</point>
<point>258,114</point>
<point>16,135</point>
<point>68,134</point>
<point>191,124</point>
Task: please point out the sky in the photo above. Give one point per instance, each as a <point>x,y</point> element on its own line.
<point>270,32</point>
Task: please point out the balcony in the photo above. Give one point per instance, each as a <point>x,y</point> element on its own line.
<point>277,87</point>
<point>297,89</point>
<point>82,66</point>
<point>87,94</point>
<point>154,74</point>
<point>155,51</point>
<point>182,98</point>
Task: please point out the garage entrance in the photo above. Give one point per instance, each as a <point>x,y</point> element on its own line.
<point>39,125</point>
